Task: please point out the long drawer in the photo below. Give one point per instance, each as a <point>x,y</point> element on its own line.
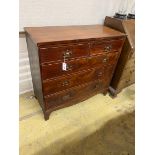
<point>73,94</point>
<point>51,70</point>
<point>65,82</point>
<point>55,53</point>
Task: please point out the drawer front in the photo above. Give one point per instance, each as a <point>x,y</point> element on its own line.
<point>48,54</point>
<point>62,83</point>
<point>106,46</point>
<point>70,95</point>
<point>55,69</point>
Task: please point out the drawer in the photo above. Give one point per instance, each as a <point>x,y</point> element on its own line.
<point>65,82</point>
<point>76,93</point>
<point>55,53</point>
<point>106,46</point>
<point>55,69</point>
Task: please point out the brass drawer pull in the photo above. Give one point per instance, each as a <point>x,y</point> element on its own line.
<point>105,60</point>
<point>100,73</point>
<point>66,97</point>
<point>108,48</point>
<point>67,54</point>
<point>68,67</point>
<point>65,83</point>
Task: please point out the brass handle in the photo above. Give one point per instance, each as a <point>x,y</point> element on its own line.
<point>66,97</point>
<point>67,54</point>
<point>65,83</point>
<point>100,73</point>
<point>68,67</point>
<point>105,60</point>
<point>108,48</point>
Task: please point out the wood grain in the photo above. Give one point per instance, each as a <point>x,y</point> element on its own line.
<point>91,54</point>
<point>60,34</point>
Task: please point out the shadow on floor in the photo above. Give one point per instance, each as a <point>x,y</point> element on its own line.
<point>116,137</point>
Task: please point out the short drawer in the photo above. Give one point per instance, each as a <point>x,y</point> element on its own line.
<point>74,94</point>
<point>55,53</point>
<point>106,46</point>
<point>51,70</point>
<point>65,82</point>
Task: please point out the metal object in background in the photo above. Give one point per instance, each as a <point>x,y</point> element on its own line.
<point>122,11</point>
<point>131,14</point>
<point>126,10</point>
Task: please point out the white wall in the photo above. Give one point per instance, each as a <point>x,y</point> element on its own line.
<point>25,80</point>
<point>57,12</point>
<point>65,12</point>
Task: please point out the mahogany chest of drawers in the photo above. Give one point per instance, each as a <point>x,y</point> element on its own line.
<point>124,74</point>
<point>71,63</point>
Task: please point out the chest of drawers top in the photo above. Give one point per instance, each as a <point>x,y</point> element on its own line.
<point>69,34</point>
